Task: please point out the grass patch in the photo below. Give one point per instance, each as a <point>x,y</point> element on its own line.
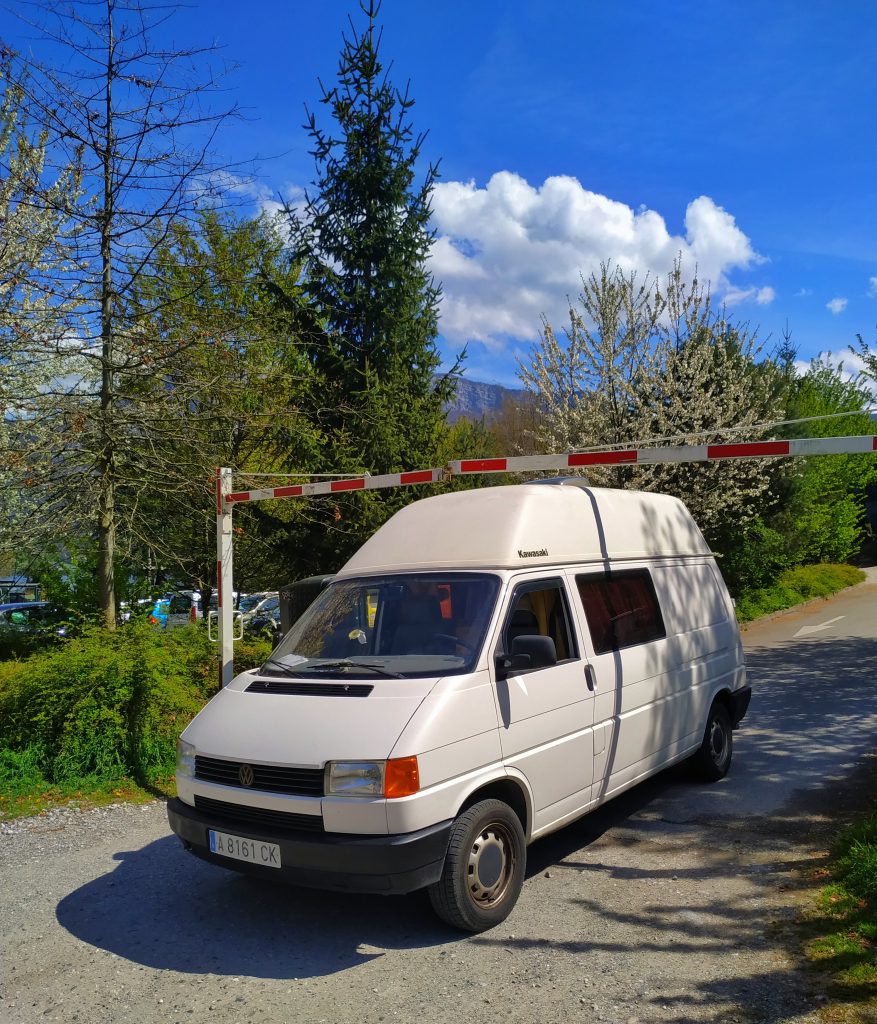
<point>90,793</point>
<point>796,586</point>
<point>841,927</point>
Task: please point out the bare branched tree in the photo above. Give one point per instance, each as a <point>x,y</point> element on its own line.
<point>137,117</point>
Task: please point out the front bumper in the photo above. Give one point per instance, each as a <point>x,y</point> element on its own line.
<point>349,863</point>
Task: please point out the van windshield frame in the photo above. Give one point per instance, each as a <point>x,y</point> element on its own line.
<point>403,625</point>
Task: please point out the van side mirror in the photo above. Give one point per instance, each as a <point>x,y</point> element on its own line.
<point>528,652</point>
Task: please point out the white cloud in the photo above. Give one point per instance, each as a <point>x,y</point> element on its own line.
<point>872,287</point>
<point>837,306</point>
<point>509,252</point>
<point>762,296</point>
<point>803,293</point>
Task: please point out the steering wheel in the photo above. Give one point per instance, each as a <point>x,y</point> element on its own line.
<point>468,648</point>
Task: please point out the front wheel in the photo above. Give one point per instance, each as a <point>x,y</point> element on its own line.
<point>713,760</point>
<point>484,868</point>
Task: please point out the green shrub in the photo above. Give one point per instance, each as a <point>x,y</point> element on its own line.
<point>108,704</point>
<point>858,869</point>
<point>795,586</point>
<point>856,864</point>
<point>22,770</point>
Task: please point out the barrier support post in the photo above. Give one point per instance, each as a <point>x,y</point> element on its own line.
<point>224,571</point>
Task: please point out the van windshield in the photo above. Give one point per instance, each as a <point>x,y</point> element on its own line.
<point>405,625</point>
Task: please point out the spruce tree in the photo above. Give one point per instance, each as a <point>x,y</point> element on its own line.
<point>366,239</point>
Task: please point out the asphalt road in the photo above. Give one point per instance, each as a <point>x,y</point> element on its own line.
<point>669,904</point>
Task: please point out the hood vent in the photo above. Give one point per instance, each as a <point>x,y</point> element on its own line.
<point>295,688</point>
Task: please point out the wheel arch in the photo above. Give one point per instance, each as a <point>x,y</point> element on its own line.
<point>724,697</point>
<point>511,791</point>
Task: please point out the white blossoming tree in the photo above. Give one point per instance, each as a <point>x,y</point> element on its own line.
<point>645,361</point>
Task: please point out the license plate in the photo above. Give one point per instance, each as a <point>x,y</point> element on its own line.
<point>251,850</point>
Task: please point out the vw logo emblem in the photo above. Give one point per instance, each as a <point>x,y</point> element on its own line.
<point>245,774</point>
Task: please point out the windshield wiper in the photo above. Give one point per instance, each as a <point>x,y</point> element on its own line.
<point>331,666</point>
<point>274,664</point>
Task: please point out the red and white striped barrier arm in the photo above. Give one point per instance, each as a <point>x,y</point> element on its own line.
<point>570,460</point>
<point>657,456</point>
<point>359,483</point>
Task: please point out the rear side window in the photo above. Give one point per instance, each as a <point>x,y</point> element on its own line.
<point>621,609</point>
<point>691,596</point>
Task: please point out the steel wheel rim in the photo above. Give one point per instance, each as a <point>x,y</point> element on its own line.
<point>491,865</point>
<point>717,743</point>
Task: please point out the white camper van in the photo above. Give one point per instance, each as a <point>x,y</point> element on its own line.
<point>488,667</point>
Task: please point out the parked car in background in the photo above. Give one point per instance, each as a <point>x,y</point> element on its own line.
<point>158,614</point>
<point>264,602</point>
<point>264,625</point>
<point>130,609</point>
<point>184,608</point>
<point>236,598</point>
<point>178,609</point>
<point>34,617</point>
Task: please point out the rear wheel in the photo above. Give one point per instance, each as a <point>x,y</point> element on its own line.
<point>713,760</point>
<point>484,868</point>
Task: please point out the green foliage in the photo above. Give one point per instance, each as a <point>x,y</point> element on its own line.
<point>365,241</point>
<point>105,707</point>
<point>821,515</point>
<point>858,866</point>
<point>756,560</point>
<point>844,924</point>
<point>868,355</point>
<point>235,330</point>
<point>22,771</point>
<point>108,704</point>
<point>795,586</point>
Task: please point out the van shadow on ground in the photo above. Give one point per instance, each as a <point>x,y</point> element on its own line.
<point>163,908</point>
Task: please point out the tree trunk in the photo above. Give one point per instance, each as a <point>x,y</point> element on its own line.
<point>106,460</point>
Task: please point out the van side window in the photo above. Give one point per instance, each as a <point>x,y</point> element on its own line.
<point>540,609</point>
<point>621,608</point>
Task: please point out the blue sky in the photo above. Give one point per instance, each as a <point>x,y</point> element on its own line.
<point>739,133</point>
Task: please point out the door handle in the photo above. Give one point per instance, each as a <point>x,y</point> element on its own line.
<point>590,678</point>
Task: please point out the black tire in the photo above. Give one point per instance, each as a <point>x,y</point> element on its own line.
<point>484,868</point>
<point>713,760</point>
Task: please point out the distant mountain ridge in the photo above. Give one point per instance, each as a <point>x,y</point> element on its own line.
<point>475,398</point>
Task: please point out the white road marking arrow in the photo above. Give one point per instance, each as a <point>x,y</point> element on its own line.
<point>804,630</point>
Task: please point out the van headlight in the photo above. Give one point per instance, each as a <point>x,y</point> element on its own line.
<point>355,778</point>
<point>185,759</point>
<point>400,776</point>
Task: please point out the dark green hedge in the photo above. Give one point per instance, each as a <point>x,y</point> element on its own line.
<point>107,704</point>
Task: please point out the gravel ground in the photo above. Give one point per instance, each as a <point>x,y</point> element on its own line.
<point>673,903</point>
<point>627,917</point>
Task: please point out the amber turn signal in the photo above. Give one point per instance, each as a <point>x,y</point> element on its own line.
<point>402,777</point>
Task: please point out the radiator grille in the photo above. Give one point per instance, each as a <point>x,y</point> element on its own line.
<point>266,777</point>
<point>253,817</point>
